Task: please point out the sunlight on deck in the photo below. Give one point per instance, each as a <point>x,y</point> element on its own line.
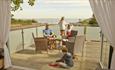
<point>35,61</point>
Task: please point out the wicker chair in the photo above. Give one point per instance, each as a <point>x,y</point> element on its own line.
<point>75,44</point>
<point>41,43</point>
<point>71,42</point>
<point>79,45</point>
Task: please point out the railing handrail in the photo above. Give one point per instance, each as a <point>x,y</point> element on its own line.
<point>24,27</point>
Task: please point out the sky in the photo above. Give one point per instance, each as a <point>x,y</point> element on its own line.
<point>55,9</point>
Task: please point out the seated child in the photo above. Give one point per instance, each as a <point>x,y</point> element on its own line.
<point>68,32</point>
<point>66,61</point>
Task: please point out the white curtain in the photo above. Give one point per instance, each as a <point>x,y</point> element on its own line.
<point>104,11</point>
<point>5,21</point>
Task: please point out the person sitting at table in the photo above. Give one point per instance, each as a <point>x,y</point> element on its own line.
<point>68,34</point>
<point>47,33</point>
<point>68,31</point>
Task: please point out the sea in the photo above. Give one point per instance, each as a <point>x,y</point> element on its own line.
<point>56,20</point>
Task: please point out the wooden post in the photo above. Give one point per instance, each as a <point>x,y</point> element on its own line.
<point>1,59</point>
<point>110,56</point>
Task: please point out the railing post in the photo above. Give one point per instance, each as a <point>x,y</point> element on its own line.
<point>36,32</point>
<point>102,41</point>
<point>85,31</point>
<point>22,38</point>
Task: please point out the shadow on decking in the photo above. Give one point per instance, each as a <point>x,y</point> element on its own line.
<point>28,58</point>
<point>26,51</point>
<point>51,53</point>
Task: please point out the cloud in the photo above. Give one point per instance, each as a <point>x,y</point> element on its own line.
<point>66,1</point>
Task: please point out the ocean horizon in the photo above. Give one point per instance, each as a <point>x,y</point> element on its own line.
<point>56,20</point>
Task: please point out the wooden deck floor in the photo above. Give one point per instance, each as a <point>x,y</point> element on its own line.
<point>29,60</point>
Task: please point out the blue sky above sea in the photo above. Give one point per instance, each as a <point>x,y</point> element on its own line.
<point>55,9</point>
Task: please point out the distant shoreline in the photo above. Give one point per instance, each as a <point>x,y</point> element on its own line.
<point>19,26</point>
<point>33,25</point>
